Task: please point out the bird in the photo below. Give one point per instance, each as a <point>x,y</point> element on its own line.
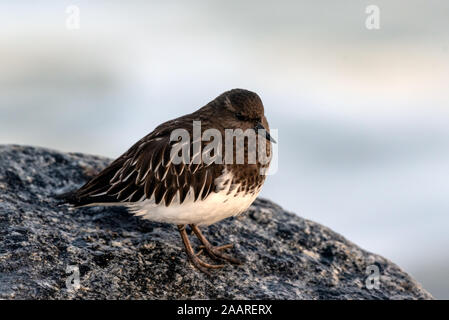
<point>147,181</point>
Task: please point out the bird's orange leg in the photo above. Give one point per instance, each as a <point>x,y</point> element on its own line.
<point>197,262</point>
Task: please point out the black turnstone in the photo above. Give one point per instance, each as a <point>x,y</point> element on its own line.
<point>151,184</point>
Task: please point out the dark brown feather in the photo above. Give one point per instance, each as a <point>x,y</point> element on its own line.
<point>150,185</point>
<point>159,193</point>
<point>169,195</point>
<point>183,191</point>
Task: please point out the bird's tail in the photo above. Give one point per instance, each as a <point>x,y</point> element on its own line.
<point>67,197</point>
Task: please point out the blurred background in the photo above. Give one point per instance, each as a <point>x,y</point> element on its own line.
<point>362,114</point>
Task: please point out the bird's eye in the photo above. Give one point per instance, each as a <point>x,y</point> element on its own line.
<point>241,117</point>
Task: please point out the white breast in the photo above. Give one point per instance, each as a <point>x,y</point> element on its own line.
<point>217,206</point>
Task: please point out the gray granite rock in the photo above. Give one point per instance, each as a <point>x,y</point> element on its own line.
<point>119,256</point>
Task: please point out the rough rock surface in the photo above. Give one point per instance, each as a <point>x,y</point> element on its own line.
<point>123,257</point>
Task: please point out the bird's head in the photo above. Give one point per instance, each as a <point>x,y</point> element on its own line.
<point>246,107</point>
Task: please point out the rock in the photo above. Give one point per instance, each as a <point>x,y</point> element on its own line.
<point>43,245</point>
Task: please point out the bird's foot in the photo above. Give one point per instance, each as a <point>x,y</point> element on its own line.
<point>197,262</point>
<point>224,247</point>
<point>216,252</point>
<point>201,265</point>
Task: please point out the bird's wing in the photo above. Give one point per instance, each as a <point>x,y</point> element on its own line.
<point>146,171</point>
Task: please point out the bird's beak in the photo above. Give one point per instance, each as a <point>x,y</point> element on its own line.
<point>259,126</point>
